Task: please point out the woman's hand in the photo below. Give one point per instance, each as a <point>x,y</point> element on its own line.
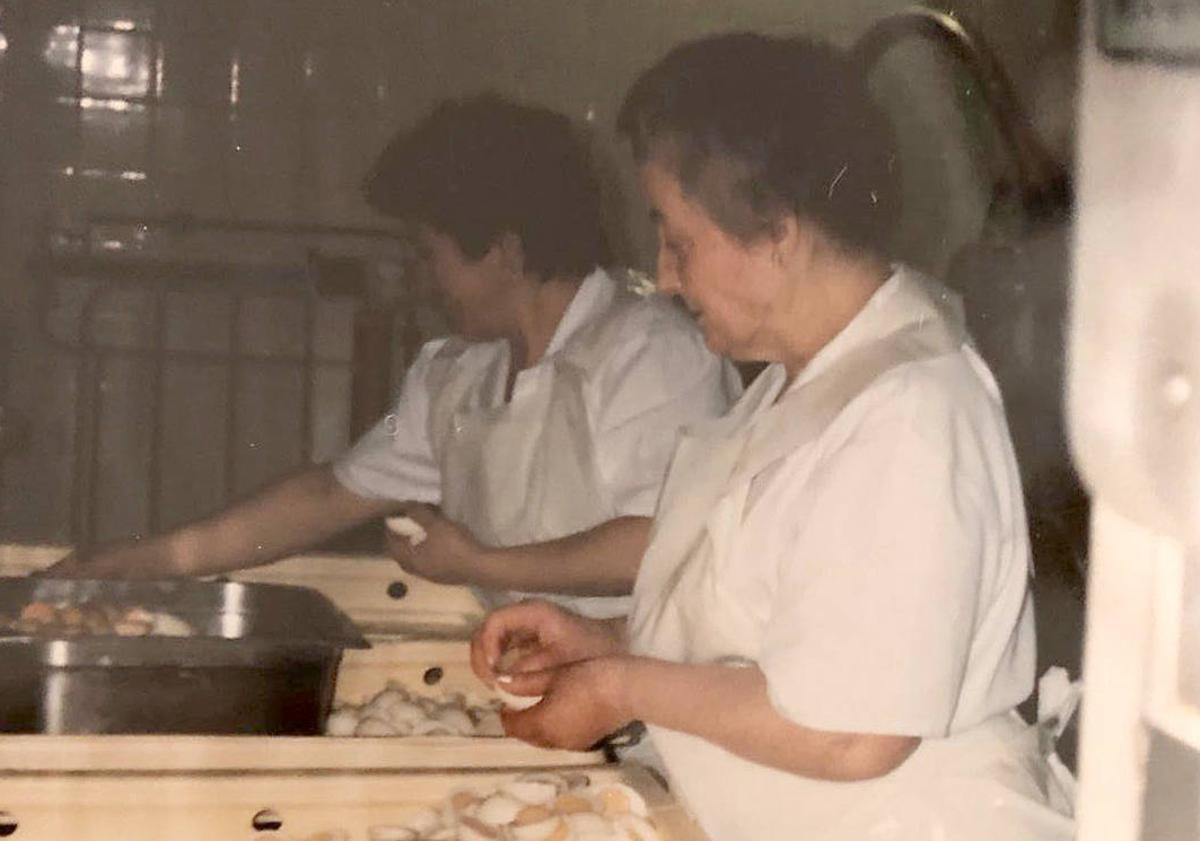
<point>449,554</point>
<point>582,703</point>
<point>546,635</point>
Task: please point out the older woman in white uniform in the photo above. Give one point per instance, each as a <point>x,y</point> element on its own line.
<point>832,622</point>
<point>550,415</point>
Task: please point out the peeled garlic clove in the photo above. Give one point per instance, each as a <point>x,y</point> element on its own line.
<point>342,722</point>
<point>633,827</point>
<point>499,809</point>
<point>543,830</point>
<point>372,726</point>
<point>390,833</point>
<point>407,527</point>
<point>619,799</point>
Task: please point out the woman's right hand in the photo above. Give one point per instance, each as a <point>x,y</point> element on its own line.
<point>546,636</point>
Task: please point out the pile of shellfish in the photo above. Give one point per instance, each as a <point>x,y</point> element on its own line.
<point>68,619</point>
<point>395,711</point>
<point>541,806</point>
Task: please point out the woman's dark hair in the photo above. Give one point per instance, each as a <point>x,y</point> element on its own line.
<point>477,168</point>
<point>754,127</point>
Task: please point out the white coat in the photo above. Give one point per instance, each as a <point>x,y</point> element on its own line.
<point>860,537</point>
<point>585,437</point>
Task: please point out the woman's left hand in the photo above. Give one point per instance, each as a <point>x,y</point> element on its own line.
<point>583,702</point>
<point>447,555</point>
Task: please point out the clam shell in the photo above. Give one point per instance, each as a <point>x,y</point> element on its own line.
<point>499,809</point>
<point>572,804</point>
<point>457,720</point>
<point>473,829</point>
<point>372,726</point>
<point>390,833</point>
<point>619,799</point>
<point>587,823</point>
<point>424,821</point>
<point>633,827</point>
<point>517,702</point>
<point>540,831</point>
<point>342,722</point>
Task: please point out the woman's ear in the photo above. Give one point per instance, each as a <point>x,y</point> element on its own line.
<point>792,241</point>
<point>511,253</point>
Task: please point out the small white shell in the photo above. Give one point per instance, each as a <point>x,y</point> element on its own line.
<point>635,828</point>
<point>342,722</point>
<point>372,726</point>
<point>407,527</point>
<point>167,625</point>
<point>517,702</point>
<point>535,789</point>
<point>619,799</point>
<point>587,823</point>
<point>487,723</point>
<point>431,727</point>
<point>390,833</point>
<point>472,829</point>
<point>384,701</point>
<point>539,831</point>
<point>404,714</point>
<point>457,720</point>
<point>499,809</point>
<point>424,821</point>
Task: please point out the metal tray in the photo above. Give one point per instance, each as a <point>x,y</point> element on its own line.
<point>263,660</point>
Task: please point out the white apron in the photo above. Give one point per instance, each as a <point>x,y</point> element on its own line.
<point>525,471</point>
<point>986,784</point>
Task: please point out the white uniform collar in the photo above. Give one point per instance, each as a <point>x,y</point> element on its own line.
<point>905,298</point>
<point>593,297</point>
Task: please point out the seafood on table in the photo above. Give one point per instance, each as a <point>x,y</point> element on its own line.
<point>539,806</point>
<point>396,711</point>
<point>96,618</point>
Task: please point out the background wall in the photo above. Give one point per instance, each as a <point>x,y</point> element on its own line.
<point>251,111</point>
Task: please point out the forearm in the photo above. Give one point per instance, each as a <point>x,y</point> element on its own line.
<point>290,515</point>
<point>729,707</point>
<point>287,517</point>
<point>602,561</point>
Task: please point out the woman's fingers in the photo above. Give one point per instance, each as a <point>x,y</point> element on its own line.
<point>527,683</point>
<point>497,632</point>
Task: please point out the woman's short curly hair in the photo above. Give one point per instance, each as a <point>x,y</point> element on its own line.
<point>479,167</point>
<point>756,126</point>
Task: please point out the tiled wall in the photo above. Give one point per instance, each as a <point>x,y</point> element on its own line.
<point>269,111</point>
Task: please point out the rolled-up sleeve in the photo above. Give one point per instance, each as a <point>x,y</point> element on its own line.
<point>657,382</point>
<point>395,458</point>
<point>880,570</point>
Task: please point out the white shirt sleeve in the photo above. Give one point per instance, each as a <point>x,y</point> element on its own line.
<point>881,565</point>
<point>656,382</point>
<point>395,459</point>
